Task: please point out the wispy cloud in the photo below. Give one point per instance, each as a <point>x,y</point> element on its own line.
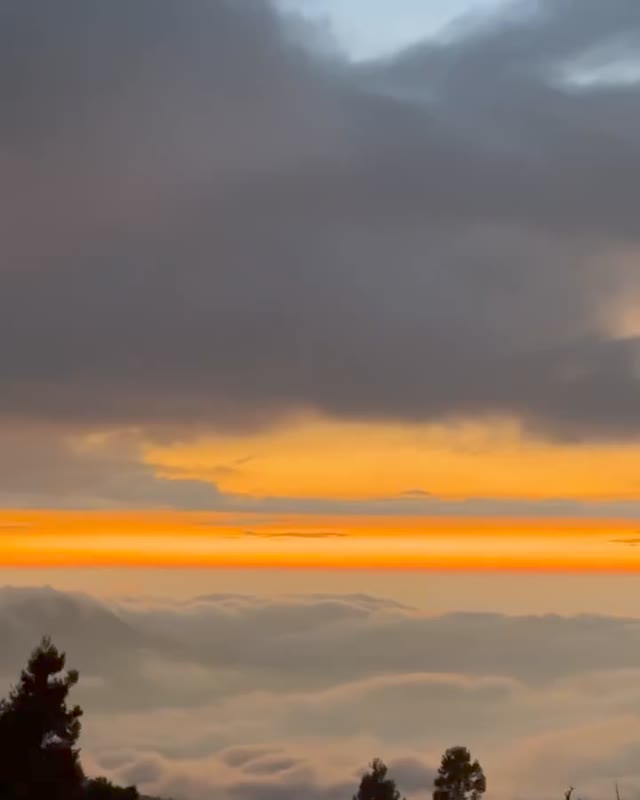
<point>632,541</point>
<point>296,534</point>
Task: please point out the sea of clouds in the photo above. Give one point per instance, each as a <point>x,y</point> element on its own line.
<point>244,697</point>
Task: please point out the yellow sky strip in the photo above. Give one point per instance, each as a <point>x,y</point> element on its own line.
<point>317,458</point>
<point>41,538</point>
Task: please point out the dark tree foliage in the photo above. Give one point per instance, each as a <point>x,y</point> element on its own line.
<point>102,789</point>
<point>459,778</point>
<point>375,785</point>
<point>38,732</point>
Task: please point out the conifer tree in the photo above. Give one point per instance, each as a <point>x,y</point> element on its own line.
<point>458,777</point>
<point>38,732</point>
<point>375,785</point>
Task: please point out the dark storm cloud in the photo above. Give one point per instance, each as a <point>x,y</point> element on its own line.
<point>207,223</point>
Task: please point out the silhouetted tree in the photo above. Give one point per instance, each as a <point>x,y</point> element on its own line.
<point>375,785</point>
<point>102,789</point>
<point>459,778</point>
<point>38,732</point>
<point>38,737</point>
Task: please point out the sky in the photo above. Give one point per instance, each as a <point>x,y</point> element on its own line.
<point>280,267</point>
<point>363,30</point>
<point>320,386</point>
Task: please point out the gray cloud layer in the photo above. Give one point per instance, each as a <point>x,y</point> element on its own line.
<point>208,223</point>
<point>250,697</point>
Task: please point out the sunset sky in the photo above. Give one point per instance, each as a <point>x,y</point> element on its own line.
<point>335,267</point>
<point>320,387</point>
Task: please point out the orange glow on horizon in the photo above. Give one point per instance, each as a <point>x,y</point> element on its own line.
<point>197,539</point>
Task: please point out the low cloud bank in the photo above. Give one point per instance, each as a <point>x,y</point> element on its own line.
<point>246,697</point>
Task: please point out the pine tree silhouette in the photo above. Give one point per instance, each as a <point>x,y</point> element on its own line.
<point>38,732</point>
<point>375,785</point>
<point>458,777</point>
